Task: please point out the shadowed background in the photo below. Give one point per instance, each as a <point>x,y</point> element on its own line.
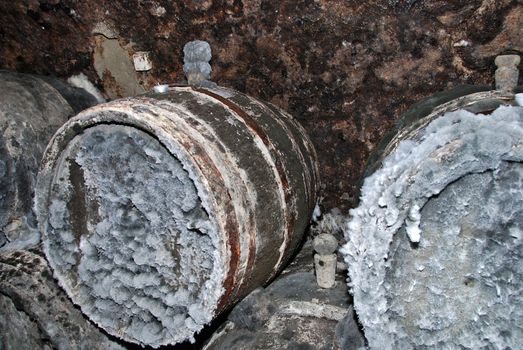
<point>345,69</point>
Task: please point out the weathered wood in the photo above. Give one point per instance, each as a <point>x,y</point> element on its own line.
<point>168,208</point>
<point>434,249</point>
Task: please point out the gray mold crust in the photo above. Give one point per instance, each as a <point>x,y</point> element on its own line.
<point>129,239</point>
<point>197,55</point>
<point>251,166</point>
<point>32,108</point>
<point>30,112</point>
<point>466,291</point>
<point>434,250</point>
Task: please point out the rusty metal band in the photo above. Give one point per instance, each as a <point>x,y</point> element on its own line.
<point>310,162</point>
<point>253,125</point>
<point>98,115</point>
<point>213,174</point>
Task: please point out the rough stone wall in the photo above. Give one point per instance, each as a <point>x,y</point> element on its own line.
<point>345,69</point>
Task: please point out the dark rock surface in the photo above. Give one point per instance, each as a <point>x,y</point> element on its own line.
<point>291,313</point>
<point>346,69</point>
<point>36,313</point>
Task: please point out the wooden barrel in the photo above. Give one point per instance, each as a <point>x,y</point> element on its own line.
<point>32,108</point>
<point>434,249</point>
<point>160,211</point>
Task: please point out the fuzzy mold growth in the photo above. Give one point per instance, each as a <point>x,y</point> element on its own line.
<point>129,238</point>
<point>434,249</point>
<point>160,212</point>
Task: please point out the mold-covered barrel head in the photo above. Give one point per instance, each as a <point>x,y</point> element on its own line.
<point>434,250</point>
<point>161,211</point>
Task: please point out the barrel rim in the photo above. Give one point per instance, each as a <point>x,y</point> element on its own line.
<point>462,96</point>
<point>233,235</point>
<point>93,117</point>
<point>468,102</point>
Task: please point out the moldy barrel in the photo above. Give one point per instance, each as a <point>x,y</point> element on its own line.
<point>161,211</point>
<point>434,249</point>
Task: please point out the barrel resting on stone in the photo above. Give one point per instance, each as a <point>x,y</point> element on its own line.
<point>166,209</point>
